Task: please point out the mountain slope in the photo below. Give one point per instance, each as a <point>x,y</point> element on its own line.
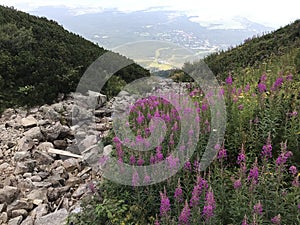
<point>255,50</point>
<point>39,59</point>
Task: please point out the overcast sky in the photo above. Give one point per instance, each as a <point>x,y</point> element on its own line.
<point>269,12</point>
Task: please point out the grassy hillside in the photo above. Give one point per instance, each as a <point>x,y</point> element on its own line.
<point>39,59</point>
<point>255,50</point>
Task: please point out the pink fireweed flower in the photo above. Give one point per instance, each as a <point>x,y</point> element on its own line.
<point>257,208</point>
<point>245,221</point>
<point>140,118</point>
<point>283,157</point>
<point>197,190</point>
<point>152,159</point>
<point>135,179</point>
<point>172,162</point>
<point>262,87</point>
<point>293,170</point>
<point>293,114</point>
<point>132,160</point>
<point>278,83</point>
<point>165,206</point>
<point>276,220</point>
<point>178,192</point>
<point>140,161</point>
<point>204,107</point>
<point>237,184</point>
<point>241,157</point>
<point>263,78</point>
<point>229,80</point>
<point>210,205</point>
<point>222,154</point>
<point>247,88</point>
<point>253,173</point>
<point>295,182</point>
<point>147,179</point>
<point>184,215</point>
<point>267,149</point>
<point>241,107</point>
<point>289,77</point>
<point>221,92</point>
<point>188,166</point>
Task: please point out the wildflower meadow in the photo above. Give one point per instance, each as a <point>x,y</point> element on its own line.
<point>254,176</point>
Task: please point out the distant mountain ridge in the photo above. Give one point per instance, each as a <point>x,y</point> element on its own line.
<point>105,27</point>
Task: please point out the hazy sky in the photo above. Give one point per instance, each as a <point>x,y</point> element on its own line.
<point>269,12</point>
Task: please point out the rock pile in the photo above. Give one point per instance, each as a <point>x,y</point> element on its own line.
<point>43,174</point>
<point>48,154</point>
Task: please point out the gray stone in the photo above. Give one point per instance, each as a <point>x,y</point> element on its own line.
<point>43,184</point>
<point>60,144</point>
<point>3,218</point>
<point>51,132</point>
<point>8,194</point>
<point>40,211</point>
<point>58,107</point>
<point>28,221</point>
<point>58,218</point>
<point>29,121</point>
<point>45,146</point>
<point>34,133</point>
<point>80,191</point>
<point>38,196</point>
<point>24,167</point>
<point>21,156</point>
<point>42,157</point>
<point>19,212</point>
<point>24,144</point>
<point>36,178</point>
<point>71,164</point>
<point>107,150</point>
<point>3,167</point>
<point>15,221</point>
<point>20,204</point>
<point>3,207</point>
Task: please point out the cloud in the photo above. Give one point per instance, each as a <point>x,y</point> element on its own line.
<point>269,12</point>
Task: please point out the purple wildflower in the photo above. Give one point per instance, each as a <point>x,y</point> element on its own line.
<point>257,208</point>
<point>289,77</point>
<point>222,153</point>
<point>140,161</point>
<point>135,179</point>
<point>278,83</point>
<point>229,80</point>
<point>178,192</point>
<point>241,157</point>
<point>210,205</point>
<point>241,107</point>
<point>147,179</point>
<point>253,173</point>
<point>293,170</point>
<point>283,157</point>
<point>188,166</point>
<point>263,78</point>
<point>261,87</point>
<point>164,204</point>
<point>245,220</point>
<point>276,220</point>
<point>198,188</point>
<point>173,162</point>
<point>267,149</point>
<point>237,184</point>
<point>247,88</point>
<point>132,160</point>
<point>185,214</point>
